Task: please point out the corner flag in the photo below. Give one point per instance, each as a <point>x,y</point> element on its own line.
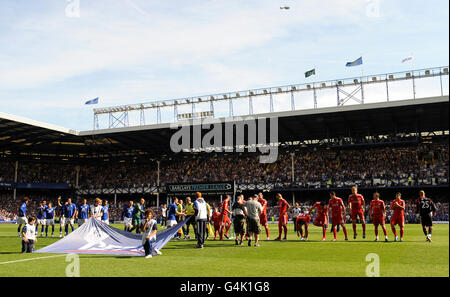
<point>93,101</point>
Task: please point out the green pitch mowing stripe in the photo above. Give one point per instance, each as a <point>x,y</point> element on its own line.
<point>413,257</point>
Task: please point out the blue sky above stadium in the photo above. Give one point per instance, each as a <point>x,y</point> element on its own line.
<point>132,51</point>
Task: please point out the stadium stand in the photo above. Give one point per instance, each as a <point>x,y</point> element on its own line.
<point>390,146</point>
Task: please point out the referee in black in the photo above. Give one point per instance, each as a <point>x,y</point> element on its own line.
<point>426,210</point>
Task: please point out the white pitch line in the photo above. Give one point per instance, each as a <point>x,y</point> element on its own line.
<point>30,259</point>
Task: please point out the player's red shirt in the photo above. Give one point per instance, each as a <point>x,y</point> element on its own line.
<point>283,207</point>
<point>225,208</point>
<point>215,218</point>
<point>398,212</point>
<point>356,201</point>
<point>337,205</point>
<point>263,203</point>
<point>378,208</point>
<point>321,210</point>
<point>304,217</point>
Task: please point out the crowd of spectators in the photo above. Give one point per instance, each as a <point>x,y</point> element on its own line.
<point>120,175</point>
<point>312,168</point>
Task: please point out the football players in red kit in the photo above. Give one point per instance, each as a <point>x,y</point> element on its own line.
<point>337,207</point>
<point>303,219</point>
<point>215,219</point>
<point>283,219</point>
<point>356,205</point>
<point>263,217</point>
<point>398,216</point>
<point>322,216</point>
<point>377,212</point>
<point>225,219</point>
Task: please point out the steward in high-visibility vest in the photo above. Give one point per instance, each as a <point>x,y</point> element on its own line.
<point>189,208</point>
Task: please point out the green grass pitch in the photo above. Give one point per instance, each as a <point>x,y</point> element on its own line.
<point>413,257</point>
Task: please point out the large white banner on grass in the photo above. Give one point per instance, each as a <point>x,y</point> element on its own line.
<point>96,237</point>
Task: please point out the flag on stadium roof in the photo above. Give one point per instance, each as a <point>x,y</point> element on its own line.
<point>355,63</point>
<point>96,237</point>
<point>310,72</point>
<point>93,101</point>
<point>407,59</point>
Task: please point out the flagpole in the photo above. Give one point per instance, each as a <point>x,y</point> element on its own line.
<point>362,68</point>
<point>362,75</point>
<point>314,89</point>
<point>414,82</point>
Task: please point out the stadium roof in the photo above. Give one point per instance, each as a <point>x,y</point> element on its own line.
<point>24,138</point>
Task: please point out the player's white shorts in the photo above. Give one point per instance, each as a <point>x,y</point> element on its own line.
<point>49,222</point>
<point>40,221</point>
<point>22,220</point>
<point>171,223</point>
<point>127,222</point>
<point>81,221</point>
<point>68,221</point>
<point>62,221</point>
<point>106,222</point>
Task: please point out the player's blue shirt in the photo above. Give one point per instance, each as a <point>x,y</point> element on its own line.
<point>105,212</point>
<point>69,210</point>
<point>49,213</point>
<point>83,211</point>
<point>23,210</point>
<point>41,212</point>
<point>172,212</point>
<point>128,212</point>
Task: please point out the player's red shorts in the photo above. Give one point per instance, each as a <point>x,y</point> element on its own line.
<point>398,220</point>
<point>263,219</point>
<point>302,221</point>
<point>216,226</point>
<point>336,219</point>
<point>378,220</point>
<point>225,219</point>
<point>357,213</point>
<point>320,221</point>
<point>282,220</point>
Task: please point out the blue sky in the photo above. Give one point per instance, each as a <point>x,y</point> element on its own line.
<point>132,51</point>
